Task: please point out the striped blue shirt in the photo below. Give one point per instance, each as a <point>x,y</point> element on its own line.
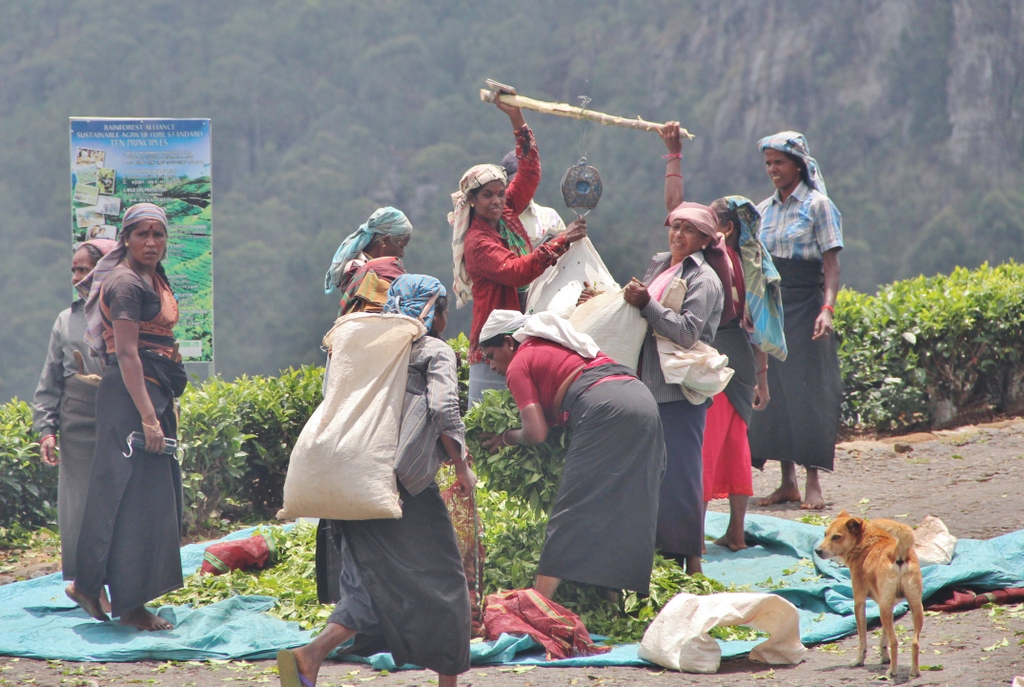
<point>804,227</point>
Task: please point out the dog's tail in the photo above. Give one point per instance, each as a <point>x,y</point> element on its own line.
<point>903,534</point>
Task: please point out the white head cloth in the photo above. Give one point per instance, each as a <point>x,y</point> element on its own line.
<point>502,322</point>
<point>548,325</point>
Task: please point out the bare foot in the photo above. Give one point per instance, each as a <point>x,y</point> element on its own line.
<point>142,619</point>
<point>782,495</point>
<point>90,604</point>
<point>104,601</point>
<point>731,542</point>
<point>813,502</point>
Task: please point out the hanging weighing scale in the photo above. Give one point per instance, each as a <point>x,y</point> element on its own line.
<point>581,183</point>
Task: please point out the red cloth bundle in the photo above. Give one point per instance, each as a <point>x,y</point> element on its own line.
<point>966,600</point>
<point>238,554</point>
<point>526,611</point>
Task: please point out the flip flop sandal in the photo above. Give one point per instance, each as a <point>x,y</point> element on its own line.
<point>288,670</point>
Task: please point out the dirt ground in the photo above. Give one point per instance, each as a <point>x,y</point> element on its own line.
<point>971,478</point>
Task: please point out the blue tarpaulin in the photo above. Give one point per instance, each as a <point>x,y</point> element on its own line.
<point>39,621</point>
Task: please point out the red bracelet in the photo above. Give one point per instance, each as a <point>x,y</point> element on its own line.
<point>673,175</point>
<point>829,308</point>
<point>763,370</point>
<point>672,156</point>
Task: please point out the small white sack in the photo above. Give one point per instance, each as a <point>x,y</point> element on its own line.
<point>559,288</point>
<point>933,542</point>
<point>617,327</point>
<point>678,638</point>
<point>700,370</point>
<point>343,465</point>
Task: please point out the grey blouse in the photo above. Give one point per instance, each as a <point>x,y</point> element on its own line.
<point>696,321</point>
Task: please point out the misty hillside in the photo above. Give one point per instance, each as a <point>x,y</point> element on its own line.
<point>324,110</point>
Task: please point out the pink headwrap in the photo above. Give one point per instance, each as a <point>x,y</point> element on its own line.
<point>706,221</point>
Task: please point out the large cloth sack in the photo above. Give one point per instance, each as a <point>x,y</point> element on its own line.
<point>678,638</point>
<point>616,326</point>
<point>559,288</point>
<point>343,465</point>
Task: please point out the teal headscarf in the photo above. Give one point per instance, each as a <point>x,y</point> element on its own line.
<point>387,221</point>
<point>415,295</point>
<point>762,281</point>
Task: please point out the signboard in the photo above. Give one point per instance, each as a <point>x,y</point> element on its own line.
<point>116,163</point>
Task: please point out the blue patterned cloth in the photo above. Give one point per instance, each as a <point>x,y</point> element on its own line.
<point>387,220</point>
<point>762,280</point>
<point>415,295</point>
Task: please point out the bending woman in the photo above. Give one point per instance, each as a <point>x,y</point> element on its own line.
<point>364,266</point>
<point>64,408</point>
<point>403,588</point>
<point>494,258</point>
<point>132,521</point>
<point>803,232</point>
<point>692,229</point>
<point>602,526</point>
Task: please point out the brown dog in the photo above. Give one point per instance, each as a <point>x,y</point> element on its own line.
<point>883,565</point>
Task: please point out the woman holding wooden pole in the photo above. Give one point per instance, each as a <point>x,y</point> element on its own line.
<point>494,259</point>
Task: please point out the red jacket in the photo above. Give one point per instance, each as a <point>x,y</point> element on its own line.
<point>496,270</point>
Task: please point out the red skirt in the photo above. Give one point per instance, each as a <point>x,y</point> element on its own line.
<point>726,452</point>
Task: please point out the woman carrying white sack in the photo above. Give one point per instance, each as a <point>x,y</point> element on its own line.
<point>602,526</point>
<point>403,588</point>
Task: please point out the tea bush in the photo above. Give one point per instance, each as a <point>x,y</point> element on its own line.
<point>931,351</point>
<point>28,489</point>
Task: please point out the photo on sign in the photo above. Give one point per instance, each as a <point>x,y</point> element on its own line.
<point>106,179</point>
<point>86,174</point>
<point>108,205</point>
<point>86,194</point>
<point>87,217</point>
<point>101,231</point>
<point>89,156</point>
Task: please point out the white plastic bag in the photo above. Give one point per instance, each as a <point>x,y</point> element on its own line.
<point>933,542</point>
<point>559,288</point>
<point>343,465</point>
<point>678,638</point>
<point>617,327</point>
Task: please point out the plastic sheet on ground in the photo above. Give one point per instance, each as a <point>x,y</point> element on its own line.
<point>38,621</point>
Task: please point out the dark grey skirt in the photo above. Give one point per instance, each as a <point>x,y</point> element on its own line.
<point>77,445</point>
<point>801,422</point>
<point>681,508</point>
<point>403,588</point>
<point>602,525</point>
<point>733,341</point>
<point>131,524</point>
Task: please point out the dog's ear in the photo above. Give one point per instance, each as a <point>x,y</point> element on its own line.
<point>855,525</point>
<point>843,514</point>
